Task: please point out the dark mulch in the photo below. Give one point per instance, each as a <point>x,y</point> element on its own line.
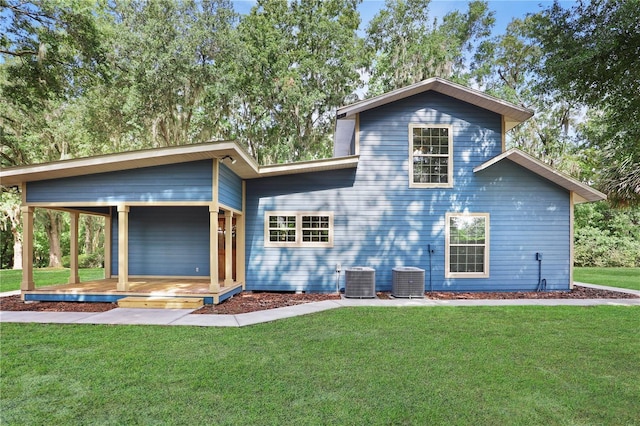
<point>577,293</point>
<point>258,301</point>
<point>14,303</point>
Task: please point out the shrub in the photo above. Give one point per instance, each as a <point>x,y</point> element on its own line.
<point>93,260</point>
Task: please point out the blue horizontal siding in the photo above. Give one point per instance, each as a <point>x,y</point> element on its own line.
<point>174,182</point>
<point>229,188</point>
<point>381,223</point>
<point>168,241</point>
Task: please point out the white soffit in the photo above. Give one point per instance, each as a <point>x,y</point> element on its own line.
<point>583,192</point>
<point>513,114</point>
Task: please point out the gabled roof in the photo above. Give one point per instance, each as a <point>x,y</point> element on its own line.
<point>584,192</point>
<point>513,114</point>
<point>244,165</point>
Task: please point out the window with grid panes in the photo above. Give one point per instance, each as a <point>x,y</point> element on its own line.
<point>315,229</point>
<point>431,156</point>
<point>282,228</point>
<point>467,251</point>
<point>301,229</point>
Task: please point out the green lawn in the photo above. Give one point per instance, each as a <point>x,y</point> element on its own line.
<point>352,366</point>
<point>614,277</point>
<point>10,278</point>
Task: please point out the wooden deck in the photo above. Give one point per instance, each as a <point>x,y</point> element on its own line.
<point>106,290</point>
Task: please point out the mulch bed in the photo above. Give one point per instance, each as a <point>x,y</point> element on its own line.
<point>259,301</point>
<point>14,303</point>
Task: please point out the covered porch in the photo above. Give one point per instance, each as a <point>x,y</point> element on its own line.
<point>106,290</point>
<point>221,262</point>
<point>174,223</point>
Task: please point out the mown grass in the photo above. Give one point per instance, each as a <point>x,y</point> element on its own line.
<point>10,278</point>
<point>353,366</point>
<point>614,277</point>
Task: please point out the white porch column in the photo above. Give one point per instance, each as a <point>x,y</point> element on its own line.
<point>27,249</point>
<point>74,277</point>
<point>228,248</point>
<point>214,285</point>
<point>123,248</point>
<point>107,246</point>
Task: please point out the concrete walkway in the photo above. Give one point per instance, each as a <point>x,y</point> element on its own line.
<point>185,316</point>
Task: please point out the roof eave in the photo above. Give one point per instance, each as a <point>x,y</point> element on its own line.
<point>513,114</point>
<point>309,166</point>
<point>244,166</point>
<point>583,192</point>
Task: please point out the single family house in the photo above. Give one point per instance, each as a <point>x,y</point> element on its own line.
<point>420,177</point>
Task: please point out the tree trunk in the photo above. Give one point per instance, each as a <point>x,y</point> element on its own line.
<point>17,248</point>
<point>52,228</point>
<point>88,234</point>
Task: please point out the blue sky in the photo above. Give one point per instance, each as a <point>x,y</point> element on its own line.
<point>505,10</point>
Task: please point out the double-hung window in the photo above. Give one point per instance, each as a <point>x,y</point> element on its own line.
<point>431,156</point>
<point>298,229</point>
<point>467,245</point>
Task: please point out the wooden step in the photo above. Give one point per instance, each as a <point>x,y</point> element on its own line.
<point>161,302</point>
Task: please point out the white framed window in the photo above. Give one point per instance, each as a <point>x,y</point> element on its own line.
<point>430,156</point>
<point>298,229</point>
<point>467,245</point>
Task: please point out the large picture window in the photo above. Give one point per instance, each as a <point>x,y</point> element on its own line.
<point>431,156</point>
<point>467,245</point>
<point>298,229</point>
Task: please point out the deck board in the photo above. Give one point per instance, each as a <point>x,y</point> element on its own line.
<point>144,287</point>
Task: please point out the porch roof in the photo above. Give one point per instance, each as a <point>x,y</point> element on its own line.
<point>584,192</point>
<point>244,165</point>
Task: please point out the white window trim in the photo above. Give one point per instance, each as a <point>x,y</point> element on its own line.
<point>298,242</point>
<point>449,183</point>
<point>447,252</point>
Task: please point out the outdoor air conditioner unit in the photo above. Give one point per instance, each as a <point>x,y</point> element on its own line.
<point>360,282</point>
<point>408,282</point>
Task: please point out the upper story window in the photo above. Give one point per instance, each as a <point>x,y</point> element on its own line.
<point>298,229</point>
<point>431,156</point>
<point>467,245</point>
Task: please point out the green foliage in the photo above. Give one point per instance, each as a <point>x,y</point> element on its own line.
<point>169,65</point>
<point>592,56</point>
<point>507,65</point>
<point>51,52</point>
<point>297,64</point>
<point>373,366</point>
<point>10,227</point>
<point>605,236</point>
<point>85,261</point>
<point>407,47</point>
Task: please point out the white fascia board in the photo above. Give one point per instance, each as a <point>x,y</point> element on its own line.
<point>513,114</point>
<point>309,166</point>
<point>245,164</point>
